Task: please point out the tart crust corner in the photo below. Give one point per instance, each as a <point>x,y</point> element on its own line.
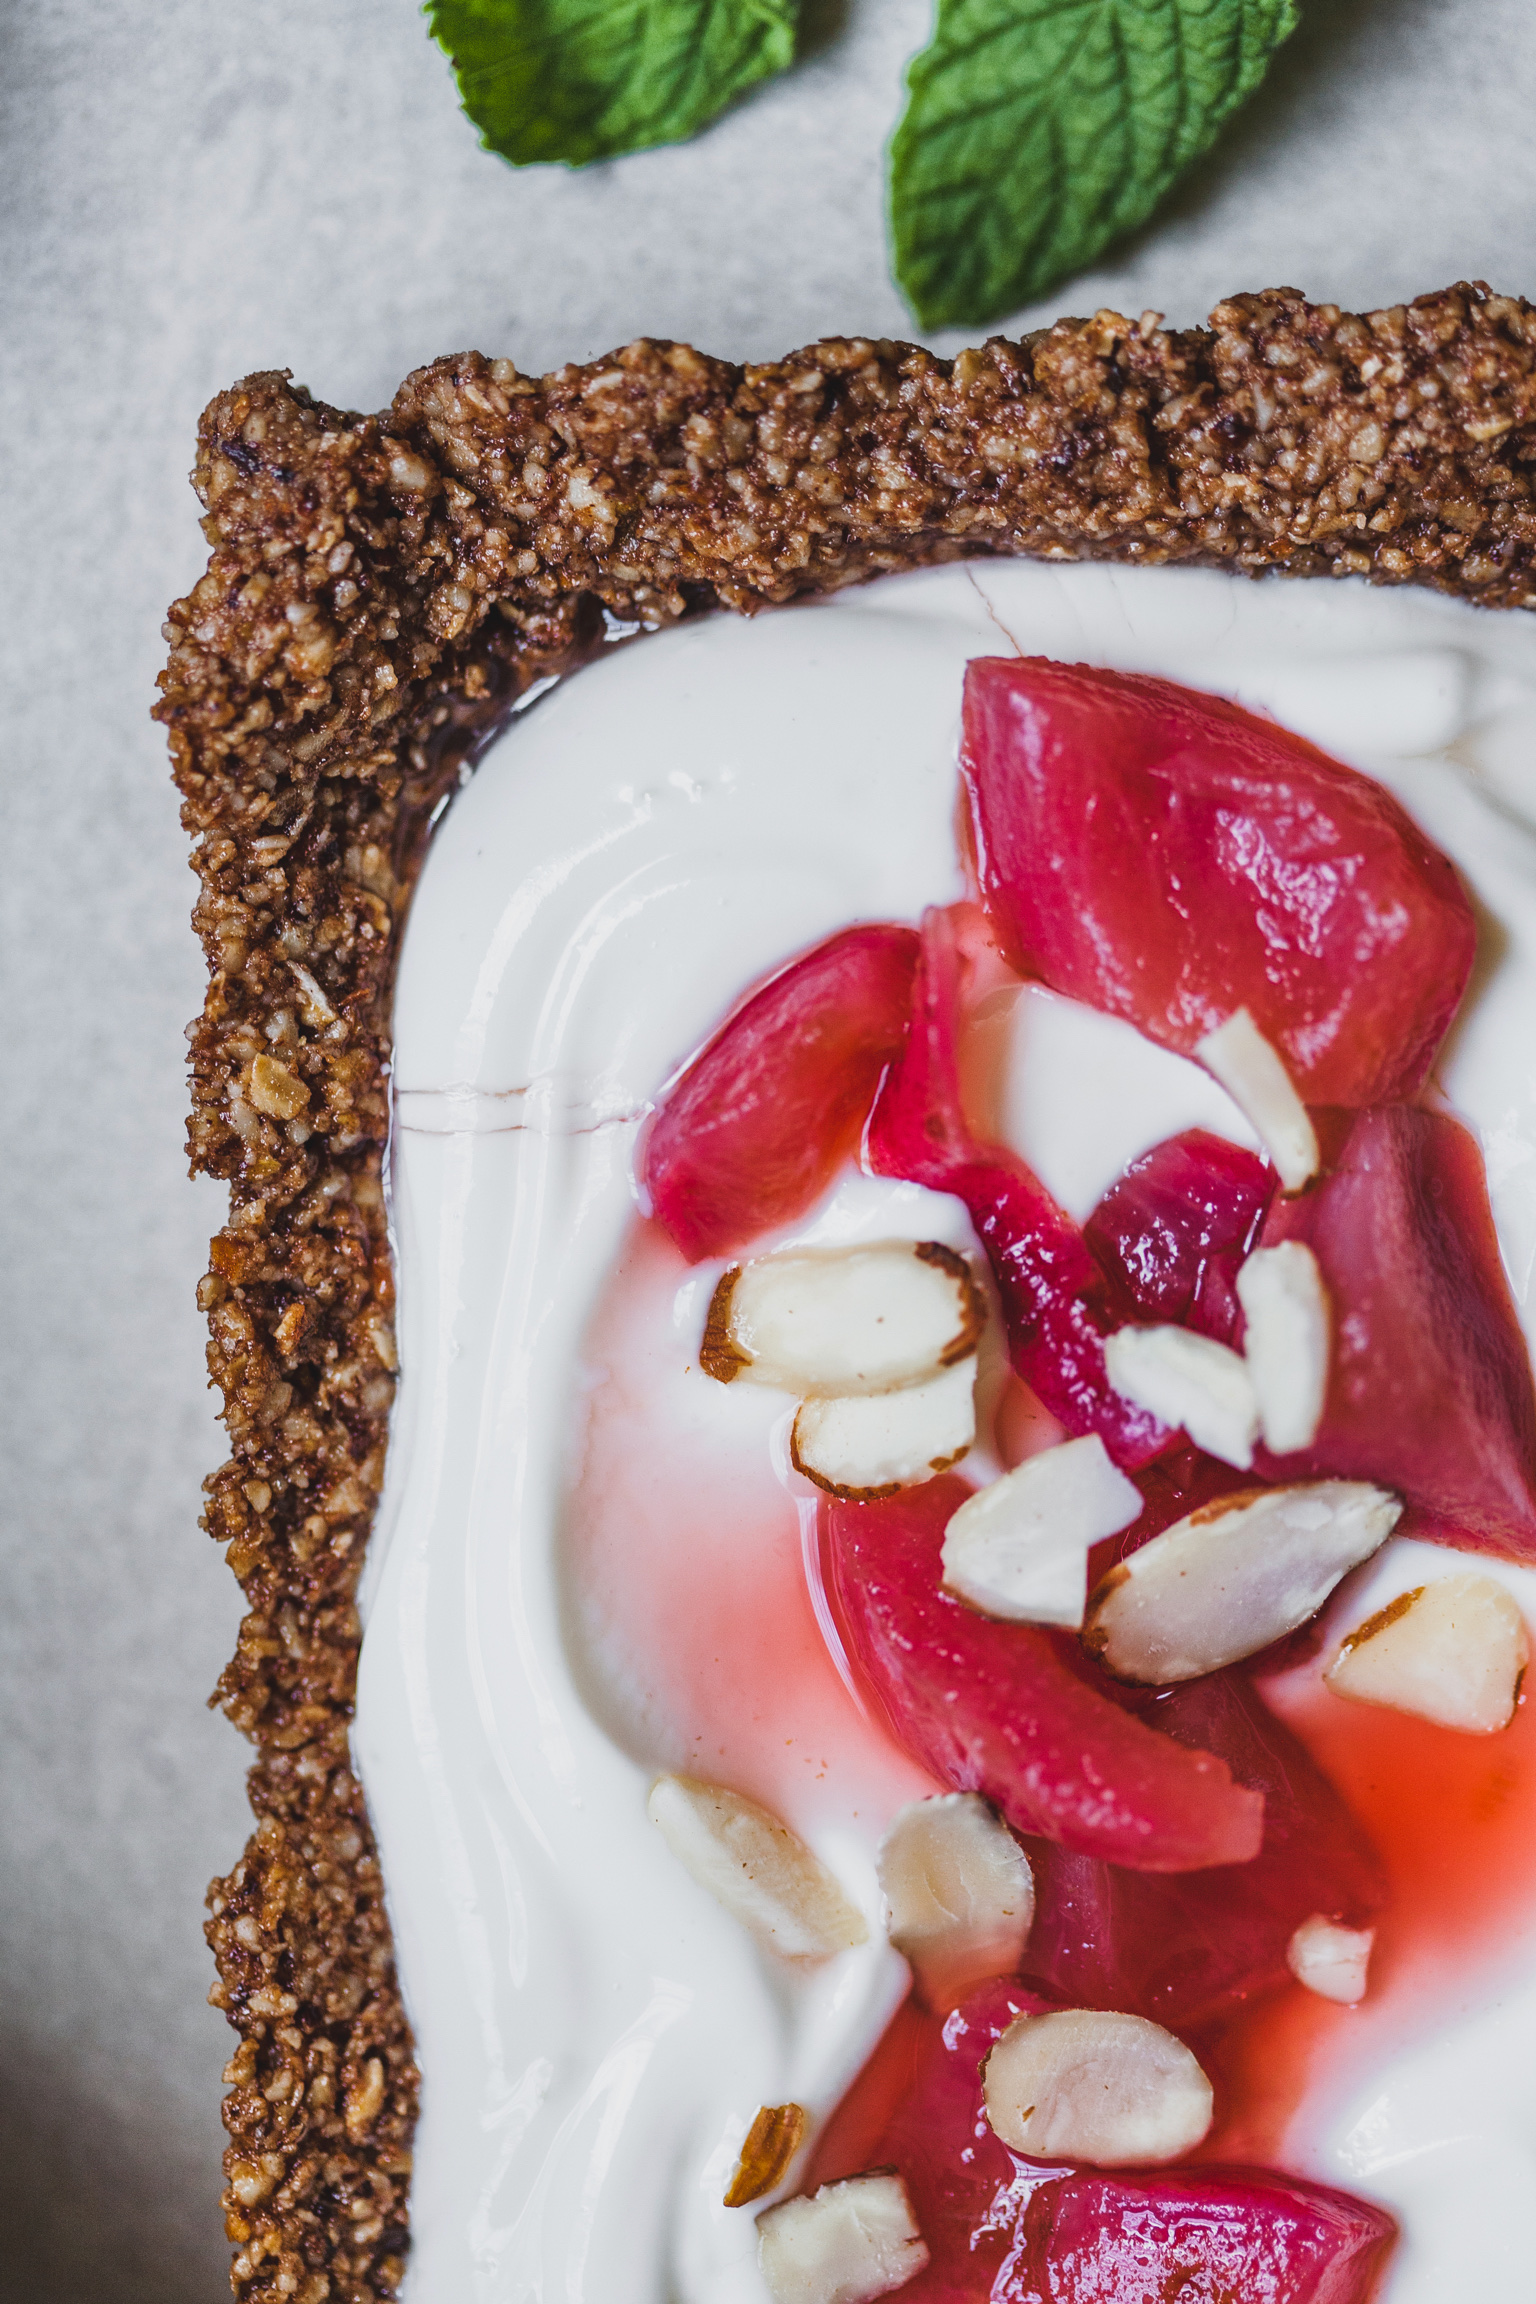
<point>380,593</point>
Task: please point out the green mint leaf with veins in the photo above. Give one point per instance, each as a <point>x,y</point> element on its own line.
<point>581,80</point>
<point>1038,131</point>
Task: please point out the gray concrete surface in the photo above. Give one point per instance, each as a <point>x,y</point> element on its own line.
<point>187,192</point>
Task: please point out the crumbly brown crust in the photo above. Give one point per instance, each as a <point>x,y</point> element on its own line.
<point>381,591</point>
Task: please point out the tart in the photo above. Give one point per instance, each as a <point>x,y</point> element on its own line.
<point>384,594</point>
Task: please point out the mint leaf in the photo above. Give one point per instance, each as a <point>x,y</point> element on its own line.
<point>1038,131</point>
<point>581,80</point>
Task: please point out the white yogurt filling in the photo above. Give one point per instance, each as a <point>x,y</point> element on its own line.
<point>595,2036</point>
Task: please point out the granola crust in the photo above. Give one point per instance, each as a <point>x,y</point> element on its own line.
<point>381,591</point>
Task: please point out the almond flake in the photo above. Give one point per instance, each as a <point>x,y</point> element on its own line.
<point>845,2244</point>
<point>835,1321</point>
<point>757,1868</point>
<point>1331,1960</point>
<point>868,1446</point>
<point>1225,1581</point>
<point>1253,1073</point>
<point>1287,1342</point>
<point>1188,1380</point>
<point>767,2149</point>
<point>1019,1548</point>
<point>959,1892</point>
<point>1085,2084</point>
<point>1454,1652</point>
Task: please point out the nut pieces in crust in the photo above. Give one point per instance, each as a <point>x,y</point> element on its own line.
<point>380,591</point>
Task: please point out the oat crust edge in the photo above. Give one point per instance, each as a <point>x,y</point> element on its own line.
<point>380,593</point>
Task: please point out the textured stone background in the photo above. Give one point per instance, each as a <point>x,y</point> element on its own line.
<point>187,192</point>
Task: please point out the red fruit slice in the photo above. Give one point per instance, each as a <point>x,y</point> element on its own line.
<point>1430,1389</point>
<point>1172,1231</point>
<point>1014,2231</point>
<point>1211,2236</point>
<point>1015,1712</point>
<point>1168,857</point>
<point>1184,1949</point>
<point>752,1129</point>
<point>1056,1302</point>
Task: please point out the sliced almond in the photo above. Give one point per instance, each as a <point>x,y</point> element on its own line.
<point>1225,1581</point>
<point>1290,1320</point>
<point>868,1446</point>
<point>1331,1960</point>
<point>1454,1651</point>
<point>1253,1073</point>
<point>756,1867</point>
<point>1190,1380</point>
<point>826,1322</point>
<point>1019,1548</point>
<point>1083,2084</point>
<point>767,2149</point>
<point>845,2244</point>
<point>959,1892</point>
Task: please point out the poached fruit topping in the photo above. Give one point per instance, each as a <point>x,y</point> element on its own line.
<point>1187,1947</point>
<point>1173,1231</point>
<point>1429,1388</point>
<point>998,2225</point>
<point>755,1125</point>
<point>1170,858</point>
<point>1015,1712</point>
<point>1058,1307</point>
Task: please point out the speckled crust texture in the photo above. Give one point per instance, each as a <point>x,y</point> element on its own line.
<point>381,591</point>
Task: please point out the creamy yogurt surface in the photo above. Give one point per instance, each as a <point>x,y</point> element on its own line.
<point>595,2035</point>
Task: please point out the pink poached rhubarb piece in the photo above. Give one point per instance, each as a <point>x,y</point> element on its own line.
<point>1172,1231</point>
<point>1184,1948</point>
<point>1430,1384</point>
<point>1014,1711</point>
<point>1057,1305</point>
<point>753,1129</point>
<point>1004,2230</point>
<point>1168,857</point>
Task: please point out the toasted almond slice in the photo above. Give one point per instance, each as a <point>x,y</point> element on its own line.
<point>825,1322</point>
<point>1019,1548</point>
<point>756,1867</point>
<point>865,1447</point>
<point>960,1893</point>
<point>1289,1320</point>
<point>1454,1651</point>
<point>1083,2084</point>
<point>845,2244</point>
<point>767,2149</point>
<point>1227,1580</point>
<point>1253,1073</point>
<point>1330,1959</point>
<point>1190,1380</point>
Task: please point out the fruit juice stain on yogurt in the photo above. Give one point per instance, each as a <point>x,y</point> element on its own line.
<point>686,1599</point>
<point>1454,1819</point>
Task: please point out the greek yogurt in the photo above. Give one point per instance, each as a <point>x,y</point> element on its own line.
<point>595,2035</point>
